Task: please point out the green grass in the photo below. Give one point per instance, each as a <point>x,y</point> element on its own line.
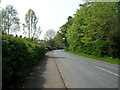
<point>105,59</point>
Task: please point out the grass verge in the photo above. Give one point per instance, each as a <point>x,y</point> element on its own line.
<point>105,59</point>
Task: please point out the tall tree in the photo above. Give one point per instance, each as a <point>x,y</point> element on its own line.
<point>37,32</point>
<point>31,22</point>
<point>9,20</point>
<point>24,31</point>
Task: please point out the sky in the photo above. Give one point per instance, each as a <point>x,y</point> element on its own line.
<point>52,13</point>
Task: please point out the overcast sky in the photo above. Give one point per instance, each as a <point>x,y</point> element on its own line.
<point>52,13</point>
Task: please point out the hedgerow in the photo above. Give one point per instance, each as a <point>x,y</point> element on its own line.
<point>18,56</point>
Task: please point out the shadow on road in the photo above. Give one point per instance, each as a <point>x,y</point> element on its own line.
<point>42,74</point>
<point>36,78</point>
<point>56,57</point>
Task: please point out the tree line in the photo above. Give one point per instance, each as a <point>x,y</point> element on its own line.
<point>10,22</point>
<point>19,54</point>
<point>92,30</point>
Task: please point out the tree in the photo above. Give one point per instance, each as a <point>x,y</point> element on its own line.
<point>9,20</point>
<point>50,43</point>
<point>31,23</point>
<point>49,34</point>
<point>94,29</point>
<point>49,38</point>
<point>24,31</point>
<point>60,38</point>
<point>37,33</point>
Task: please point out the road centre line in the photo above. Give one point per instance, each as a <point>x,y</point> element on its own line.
<point>106,70</point>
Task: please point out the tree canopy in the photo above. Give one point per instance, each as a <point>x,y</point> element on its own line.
<point>49,34</point>
<point>9,20</point>
<point>93,29</point>
<point>31,24</point>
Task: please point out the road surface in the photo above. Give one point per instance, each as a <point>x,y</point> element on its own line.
<point>44,75</point>
<point>82,72</point>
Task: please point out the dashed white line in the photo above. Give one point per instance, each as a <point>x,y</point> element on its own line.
<point>106,70</point>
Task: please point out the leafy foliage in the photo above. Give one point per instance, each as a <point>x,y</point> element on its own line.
<point>19,55</point>
<point>9,20</point>
<point>31,24</point>
<point>93,30</point>
<point>60,38</point>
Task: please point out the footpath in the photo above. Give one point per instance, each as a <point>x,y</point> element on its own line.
<point>45,75</point>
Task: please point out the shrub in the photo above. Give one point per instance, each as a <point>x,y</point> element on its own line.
<point>19,55</point>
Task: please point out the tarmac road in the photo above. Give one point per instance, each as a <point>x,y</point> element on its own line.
<point>82,72</point>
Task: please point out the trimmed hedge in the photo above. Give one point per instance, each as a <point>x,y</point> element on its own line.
<point>18,56</point>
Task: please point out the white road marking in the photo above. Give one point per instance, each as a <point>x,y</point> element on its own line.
<point>106,70</point>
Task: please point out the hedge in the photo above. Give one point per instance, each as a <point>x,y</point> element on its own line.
<point>18,56</point>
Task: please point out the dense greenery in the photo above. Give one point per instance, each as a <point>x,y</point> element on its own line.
<point>19,55</point>
<point>93,30</point>
<point>60,38</point>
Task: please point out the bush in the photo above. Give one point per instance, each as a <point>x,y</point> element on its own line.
<point>19,55</point>
<point>114,43</point>
<point>99,48</point>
